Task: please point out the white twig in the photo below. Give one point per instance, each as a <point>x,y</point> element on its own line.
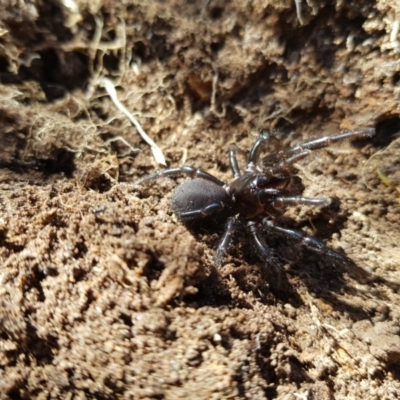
<point>157,153</point>
<point>395,31</point>
<point>302,396</point>
<point>258,341</point>
<point>298,11</point>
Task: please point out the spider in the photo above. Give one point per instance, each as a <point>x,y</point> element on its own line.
<point>253,198</point>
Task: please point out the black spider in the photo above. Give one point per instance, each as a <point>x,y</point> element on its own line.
<point>253,198</point>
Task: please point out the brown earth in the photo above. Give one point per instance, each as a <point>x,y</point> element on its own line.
<point>104,294</point>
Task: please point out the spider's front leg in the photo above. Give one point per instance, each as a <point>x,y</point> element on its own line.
<point>282,202</point>
<point>302,239</point>
<point>285,158</point>
<point>326,141</point>
<point>279,198</point>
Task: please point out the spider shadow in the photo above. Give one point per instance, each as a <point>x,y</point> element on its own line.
<point>331,279</point>
<point>337,283</point>
<point>324,276</point>
<point>267,282</point>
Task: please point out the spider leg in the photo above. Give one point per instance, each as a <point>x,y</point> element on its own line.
<point>281,202</point>
<point>186,170</point>
<point>264,251</point>
<point>233,161</point>
<point>284,164</point>
<point>255,151</point>
<point>284,159</point>
<point>319,143</point>
<point>279,198</point>
<point>226,241</point>
<point>210,209</point>
<point>309,242</point>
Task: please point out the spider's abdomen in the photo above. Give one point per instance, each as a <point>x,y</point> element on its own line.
<point>197,195</point>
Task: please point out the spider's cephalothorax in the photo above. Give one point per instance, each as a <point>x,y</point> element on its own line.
<point>254,197</point>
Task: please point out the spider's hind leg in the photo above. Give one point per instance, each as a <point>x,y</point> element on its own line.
<point>265,252</point>
<point>302,239</point>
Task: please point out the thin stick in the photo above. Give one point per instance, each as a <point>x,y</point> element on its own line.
<point>157,153</point>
